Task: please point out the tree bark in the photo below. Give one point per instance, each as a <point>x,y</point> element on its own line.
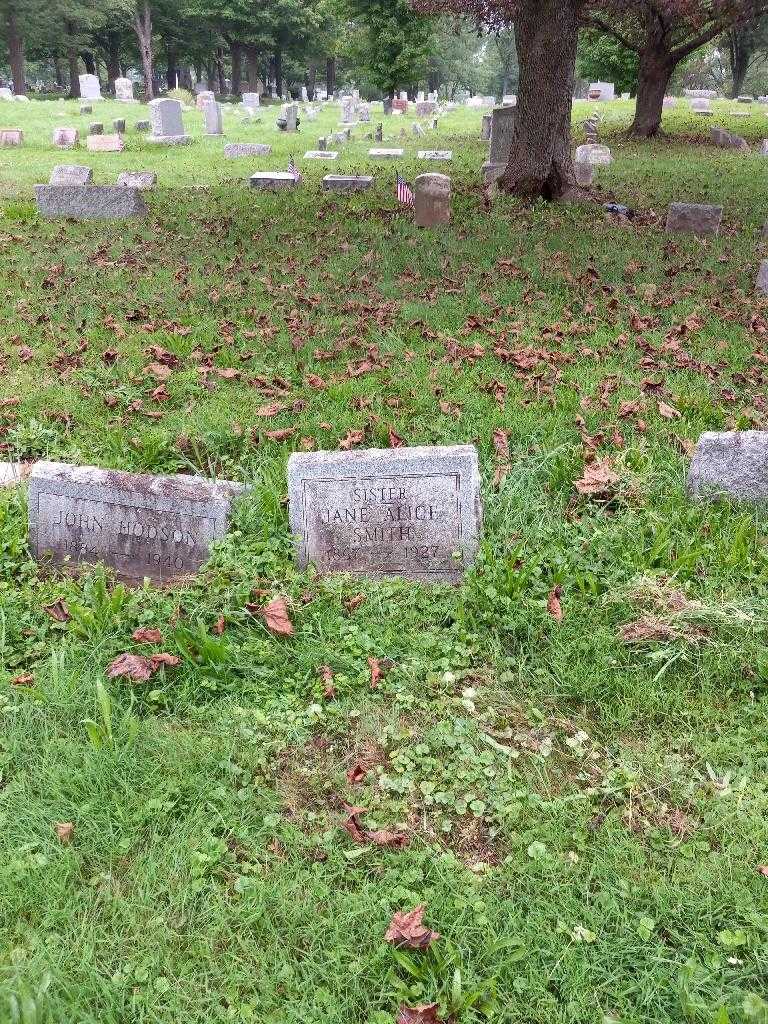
<point>58,70</point>
<point>740,47</point>
<point>653,78</point>
<point>171,69</point>
<point>142,24</point>
<point>252,67</point>
<point>330,76</point>
<point>220,73</point>
<point>113,57</point>
<point>74,69</point>
<point>310,79</point>
<point>540,162</point>
<point>236,55</point>
<point>15,51</point>
<point>279,72</point>
<point>90,63</point>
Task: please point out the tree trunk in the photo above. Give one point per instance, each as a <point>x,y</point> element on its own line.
<point>739,55</point>
<point>656,67</point>
<point>252,68</point>
<point>311,79</point>
<point>433,81</point>
<point>171,69</point>
<point>540,162</point>
<point>113,57</point>
<point>330,76</point>
<point>142,24</point>
<point>15,51</point>
<point>236,54</point>
<point>220,73</point>
<point>90,63</point>
<point>210,76</point>
<point>279,72</point>
<point>58,70</point>
<point>74,74</point>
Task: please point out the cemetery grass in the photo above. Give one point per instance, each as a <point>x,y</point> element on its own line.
<point>572,742</point>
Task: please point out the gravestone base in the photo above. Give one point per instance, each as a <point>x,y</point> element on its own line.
<point>347,182</point>
<point>169,140</point>
<point>492,172</point>
<point>275,180</point>
<point>89,202</point>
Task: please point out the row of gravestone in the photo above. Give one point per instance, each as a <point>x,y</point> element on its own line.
<point>71,195</point>
<point>415,513</point>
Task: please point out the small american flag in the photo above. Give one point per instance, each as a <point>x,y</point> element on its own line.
<point>404,190</point>
<point>294,170</point>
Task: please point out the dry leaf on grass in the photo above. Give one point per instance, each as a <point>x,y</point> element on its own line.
<point>276,618</point>
<point>379,837</point>
<point>25,679</point>
<point>599,478</point>
<point>553,603</point>
<point>668,412</point>
<point>147,636</point>
<point>375,667</point>
<point>329,690</point>
<point>138,667</point>
<point>64,830</point>
<point>407,930</point>
<point>426,1014</point>
<point>58,610</point>
<point>763,870</point>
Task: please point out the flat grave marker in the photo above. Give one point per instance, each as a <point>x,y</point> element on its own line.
<point>408,512</point>
<point>71,174</point>
<point>730,464</point>
<point>89,202</point>
<point>234,150</point>
<point>347,182</point>
<point>159,527</point>
<point>694,218</point>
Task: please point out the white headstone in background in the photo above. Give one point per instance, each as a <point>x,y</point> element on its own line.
<point>90,89</point>
<point>5,93</point>
<point>124,90</point>
<point>251,100</point>
<point>606,90</point>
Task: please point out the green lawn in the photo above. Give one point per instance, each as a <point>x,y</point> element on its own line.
<point>584,800</point>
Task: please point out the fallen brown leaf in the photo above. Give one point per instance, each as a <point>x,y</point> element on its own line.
<point>668,411</point>
<point>553,603</point>
<point>329,690</point>
<point>352,438</point>
<point>25,679</point>
<point>426,1014</point>
<point>598,478</point>
<point>219,626</point>
<point>64,830</point>
<point>353,603</point>
<point>58,610</point>
<point>147,636</point>
<point>407,930</point>
<point>379,837</point>
<point>763,870</point>
<point>135,666</point>
<point>375,667</point>
<point>276,618</point>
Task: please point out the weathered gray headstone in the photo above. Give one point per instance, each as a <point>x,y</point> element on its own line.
<point>6,93</point>
<point>695,218</point>
<point>387,105</point>
<point>385,154</point>
<point>321,154</point>
<point>347,182</point>
<point>408,512</point>
<point>425,108</point>
<point>141,180</point>
<point>96,128</point>
<point>11,137</point>
<point>124,90</point>
<point>70,174</point>
<point>159,527</point>
<point>86,108</point>
<point>732,464</point>
<point>274,180</point>
<point>119,125</point>
<point>502,127</point>
<point>214,118</point>
<point>143,126</point>
<point>485,128</point>
<point>233,150</point>
<point>11,473</point>
<point>431,200</point>
<point>251,100</point>
<point>322,144</point>
<point>378,133</point>
<point>204,97</point>
<point>700,105</point>
<point>291,117</point>
<point>167,123</point>
<point>592,153</point>
<point>435,154</point>
<point>66,138</point>
<point>585,173</point>
<point>90,88</point>
<point>761,284</point>
<point>89,202</point>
